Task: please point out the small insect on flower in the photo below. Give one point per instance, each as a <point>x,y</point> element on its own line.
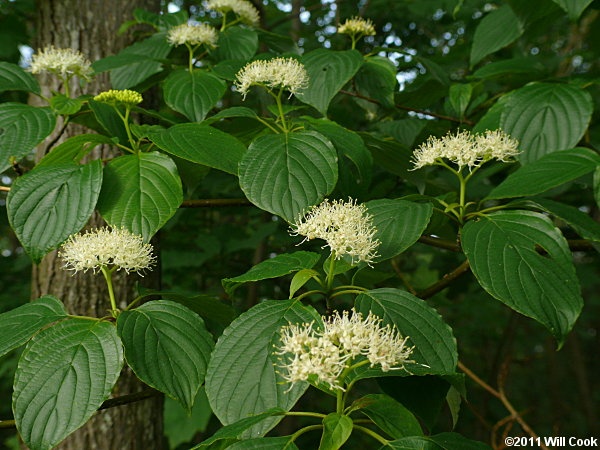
<point>193,35</point>
<point>285,73</point>
<point>346,227</point>
<point>245,10</point>
<point>65,62</point>
<point>357,26</point>
<point>345,340</point>
<point>466,150</point>
<point>114,96</point>
<point>107,247</point>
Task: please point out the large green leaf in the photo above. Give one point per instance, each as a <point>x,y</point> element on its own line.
<point>201,144</point>
<point>404,131</point>
<point>513,67</point>
<point>496,30</point>
<point>50,203</point>
<point>336,431</point>
<point>502,252</point>
<point>110,121</point>
<point>74,149</point>
<point>19,324</point>
<point>546,117</point>
<point>265,443</point>
<point>242,378</point>
<point>63,376</point>
<point>435,346</point>
<point>547,172</point>
<point>168,348</point>
<point>236,43</point>
<point>22,127</point>
<point>389,415</point>
<point>442,441</point>
<point>140,192</point>
<point>13,78</point>
<point>286,173</point>
<point>377,79</point>
<point>278,266</point>
<point>155,47</point>
<point>193,94</point>
<point>573,7</point>
<point>399,224</point>
<point>328,72</point>
<point>179,426</point>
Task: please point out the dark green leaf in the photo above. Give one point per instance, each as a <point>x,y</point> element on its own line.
<point>502,252</point>
<point>278,43</point>
<point>242,378</point>
<point>442,441</point>
<point>377,79</point>
<point>13,78</point>
<point>228,69</point>
<point>391,416</point>
<point>510,67</point>
<point>286,173</point>
<point>140,192</point>
<point>328,72</point>
<point>235,111</point>
<point>201,144</point>
<point>110,121</point>
<point>74,149</point>
<point>50,203</point>
<point>64,375</point>
<point>399,224</point>
<point>19,324</point>
<point>266,443</point>
<point>236,43</point>
<point>547,172</point>
<point>116,61</point>
<point>460,96</point>
<point>392,156</point>
<point>573,7</point>
<point>496,30</point>
<point>61,104</point>
<point>336,431</point>
<point>193,94</point>
<point>546,118</point>
<point>179,427</point>
<point>404,131</point>
<point>168,348</point>
<point>278,266</point>
<point>22,127</point>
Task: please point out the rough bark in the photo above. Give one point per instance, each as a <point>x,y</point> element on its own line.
<point>91,27</point>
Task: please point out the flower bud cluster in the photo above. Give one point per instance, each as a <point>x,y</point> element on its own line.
<point>357,26</point>
<point>286,73</point>
<point>124,96</point>
<point>62,61</point>
<point>192,35</point>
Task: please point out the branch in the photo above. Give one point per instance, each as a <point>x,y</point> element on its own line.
<point>110,403</point>
<point>500,395</point>
<point>445,281</point>
<point>4,188</point>
<point>440,243</point>
<point>408,108</point>
<point>208,202</point>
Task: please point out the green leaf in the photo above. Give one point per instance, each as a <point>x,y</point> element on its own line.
<point>460,96</point>
<point>116,61</point>
<point>510,68</point>
<point>179,427</point>
<point>278,43</point>
<point>390,155</point>
<point>442,441</point>
<point>193,94</point>
<point>502,252</point>
<point>228,69</point>
<point>300,279</point>
<point>22,127</point>
<point>404,131</point>
<point>201,144</point>
<point>108,118</point>
<point>496,30</point>
<point>19,324</point>
<point>336,431</point>
<point>74,149</point>
<point>64,375</point>
<point>435,346</point>
<point>63,105</point>
<point>546,117</point>
<point>547,172</point>
<point>140,192</point>
<point>596,185</point>
<point>389,415</point>
<point>399,224</point>
<point>278,266</point>
<point>50,203</point>
<point>377,79</point>
<point>265,443</point>
<point>13,78</point>
<point>238,429</point>
<point>286,173</point>
<point>242,378</point>
<point>168,348</point>
<point>236,43</point>
<point>155,47</point>
<point>573,7</point>
<point>235,111</point>
<point>328,72</point>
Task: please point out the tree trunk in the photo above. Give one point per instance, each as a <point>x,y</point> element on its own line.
<point>91,27</point>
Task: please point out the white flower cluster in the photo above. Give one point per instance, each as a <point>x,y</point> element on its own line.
<point>242,8</point>
<point>193,35</point>
<point>356,26</point>
<point>287,73</point>
<point>306,351</point>
<point>347,228</point>
<point>104,247</point>
<point>466,149</point>
<point>125,96</point>
<point>62,61</point>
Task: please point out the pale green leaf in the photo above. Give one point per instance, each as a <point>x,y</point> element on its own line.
<point>193,94</point>
<point>336,431</point>
<point>496,30</point>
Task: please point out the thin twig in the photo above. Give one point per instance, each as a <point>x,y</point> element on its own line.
<point>445,281</point>
<point>396,268</point>
<point>409,108</point>
<point>440,243</point>
<point>4,188</point>
<point>57,137</point>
